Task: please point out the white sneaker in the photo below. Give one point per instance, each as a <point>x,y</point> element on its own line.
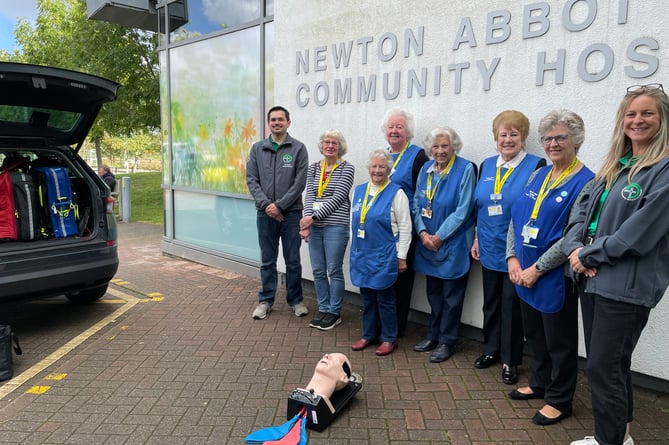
<point>300,310</point>
<point>590,440</point>
<point>587,440</point>
<point>261,311</point>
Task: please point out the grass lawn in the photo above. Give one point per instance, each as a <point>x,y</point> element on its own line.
<point>146,196</point>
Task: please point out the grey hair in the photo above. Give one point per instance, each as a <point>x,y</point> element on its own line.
<point>334,133</point>
<point>408,119</point>
<point>451,134</point>
<point>569,119</point>
<point>380,153</point>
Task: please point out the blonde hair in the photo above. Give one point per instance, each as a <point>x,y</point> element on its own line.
<point>621,144</point>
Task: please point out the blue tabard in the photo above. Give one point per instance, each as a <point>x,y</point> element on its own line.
<point>402,175</point>
<point>547,294</point>
<point>373,260</point>
<point>452,259</point>
<point>491,230</point>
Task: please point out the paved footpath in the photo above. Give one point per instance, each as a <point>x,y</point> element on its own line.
<point>182,362</point>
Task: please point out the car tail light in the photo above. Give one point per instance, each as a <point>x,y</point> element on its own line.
<point>109,204</point>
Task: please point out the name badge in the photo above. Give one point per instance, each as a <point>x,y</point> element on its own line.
<point>361,233</point>
<point>495,197</point>
<point>317,205</point>
<point>495,210</point>
<point>529,233</point>
<point>426,212</point>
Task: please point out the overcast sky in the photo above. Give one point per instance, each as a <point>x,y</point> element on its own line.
<point>10,10</point>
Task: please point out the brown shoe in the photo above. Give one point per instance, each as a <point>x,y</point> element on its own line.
<point>386,348</point>
<point>361,344</point>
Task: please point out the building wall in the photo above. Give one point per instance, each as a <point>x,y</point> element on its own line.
<point>460,64</point>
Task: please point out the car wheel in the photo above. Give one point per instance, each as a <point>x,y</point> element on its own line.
<point>88,295</point>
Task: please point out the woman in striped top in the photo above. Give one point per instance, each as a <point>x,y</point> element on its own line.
<point>325,224</point>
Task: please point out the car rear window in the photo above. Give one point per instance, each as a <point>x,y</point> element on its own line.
<point>38,117</point>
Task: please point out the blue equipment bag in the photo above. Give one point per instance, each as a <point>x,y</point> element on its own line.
<point>54,192</point>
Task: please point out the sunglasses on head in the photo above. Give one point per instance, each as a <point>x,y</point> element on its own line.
<point>649,86</point>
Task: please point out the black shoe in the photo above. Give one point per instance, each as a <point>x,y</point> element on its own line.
<point>329,321</point>
<point>316,321</point>
<point>425,345</point>
<point>517,395</point>
<point>509,374</point>
<point>441,354</point>
<point>485,361</point>
<point>540,419</point>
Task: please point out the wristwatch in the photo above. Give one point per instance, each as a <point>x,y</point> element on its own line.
<point>536,266</point>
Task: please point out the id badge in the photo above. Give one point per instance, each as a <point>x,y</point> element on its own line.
<point>361,233</point>
<point>495,197</point>
<point>529,233</point>
<point>426,212</point>
<point>495,210</point>
<point>317,205</point>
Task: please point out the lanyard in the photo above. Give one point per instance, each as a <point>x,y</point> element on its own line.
<point>499,183</point>
<point>365,206</point>
<point>325,178</point>
<point>429,193</point>
<point>397,161</point>
<point>543,191</point>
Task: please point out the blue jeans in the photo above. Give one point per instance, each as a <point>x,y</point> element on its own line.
<point>446,298</point>
<point>327,245</point>
<point>269,233</point>
<point>379,307</point>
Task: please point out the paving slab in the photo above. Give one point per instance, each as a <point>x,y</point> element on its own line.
<point>186,364</point>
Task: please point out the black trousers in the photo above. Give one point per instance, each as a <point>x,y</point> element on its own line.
<point>404,288</point>
<point>502,318</point>
<point>612,330</point>
<point>553,340</point>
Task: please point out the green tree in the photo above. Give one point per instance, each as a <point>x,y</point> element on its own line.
<point>63,36</point>
<point>131,148</point>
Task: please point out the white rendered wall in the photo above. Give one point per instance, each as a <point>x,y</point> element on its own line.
<point>480,58</point>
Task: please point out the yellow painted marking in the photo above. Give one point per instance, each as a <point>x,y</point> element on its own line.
<point>103,300</point>
<point>56,376</point>
<point>17,381</point>
<point>111,337</point>
<point>118,281</point>
<point>38,390</point>
<point>124,328</point>
<point>154,295</point>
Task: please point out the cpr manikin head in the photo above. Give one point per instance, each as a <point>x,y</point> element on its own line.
<point>332,373</point>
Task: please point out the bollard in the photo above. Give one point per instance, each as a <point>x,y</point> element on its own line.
<point>125,199</point>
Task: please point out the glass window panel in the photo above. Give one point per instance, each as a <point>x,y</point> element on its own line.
<point>218,223</point>
<point>206,16</point>
<point>216,110</point>
<point>167,205</point>
<point>269,66</point>
<point>269,7</point>
<point>164,117</point>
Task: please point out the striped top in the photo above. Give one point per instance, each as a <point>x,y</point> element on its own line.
<point>335,206</point>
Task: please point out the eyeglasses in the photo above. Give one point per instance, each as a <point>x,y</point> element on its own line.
<point>650,86</point>
<point>560,139</point>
